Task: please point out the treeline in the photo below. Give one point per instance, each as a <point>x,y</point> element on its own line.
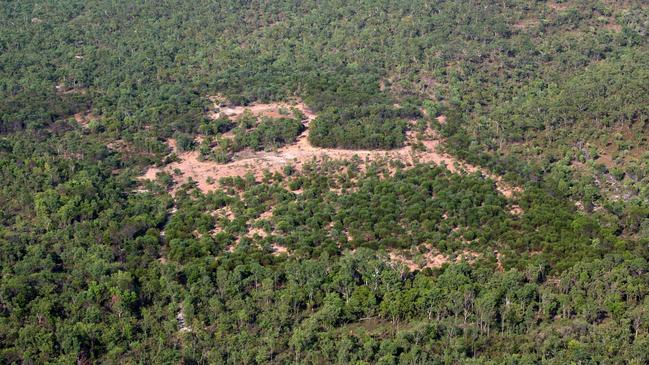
<point>373,127</point>
<point>269,133</point>
<point>248,131</point>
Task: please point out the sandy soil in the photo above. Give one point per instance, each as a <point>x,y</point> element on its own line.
<point>271,110</point>
<point>279,250</point>
<point>301,152</point>
<point>431,259</point>
<point>499,263</point>
<point>84,118</point>
<point>558,6</point>
<point>526,24</point>
<point>515,209</point>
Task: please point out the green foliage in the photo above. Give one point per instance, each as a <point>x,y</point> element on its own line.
<point>100,267</point>
<point>270,133</point>
<point>360,128</point>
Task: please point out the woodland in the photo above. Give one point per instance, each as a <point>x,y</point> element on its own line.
<point>329,260</point>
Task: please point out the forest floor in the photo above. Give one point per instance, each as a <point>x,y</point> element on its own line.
<point>420,148</point>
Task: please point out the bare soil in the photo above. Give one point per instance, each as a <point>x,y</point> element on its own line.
<point>558,6</point>
<point>84,118</point>
<point>279,250</point>
<point>301,152</point>
<point>271,110</point>
<point>431,259</point>
<point>526,23</point>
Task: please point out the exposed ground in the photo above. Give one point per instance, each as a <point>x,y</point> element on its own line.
<point>271,110</point>
<point>558,6</point>
<point>420,148</point>
<point>302,151</point>
<point>430,259</point>
<point>84,118</point>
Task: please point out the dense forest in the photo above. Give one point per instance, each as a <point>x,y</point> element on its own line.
<point>345,261</point>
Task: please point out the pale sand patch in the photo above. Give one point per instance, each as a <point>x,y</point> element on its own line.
<point>499,263</point>
<point>558,6</point>
<point>173,145</point>
<point>613,26</point>
<point>84,118</point>
<point>515,209</point>
<point>431,259</point>
<point>257,231</point>
<point>468,256</point>
<point>279,250</point>
<point>266,215</point>
<point>396,258</point>
<point>216,230</point>
<point>302,152</point>
<point>182,326</point>
<point>226,212</point>
<point>271,110</point>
